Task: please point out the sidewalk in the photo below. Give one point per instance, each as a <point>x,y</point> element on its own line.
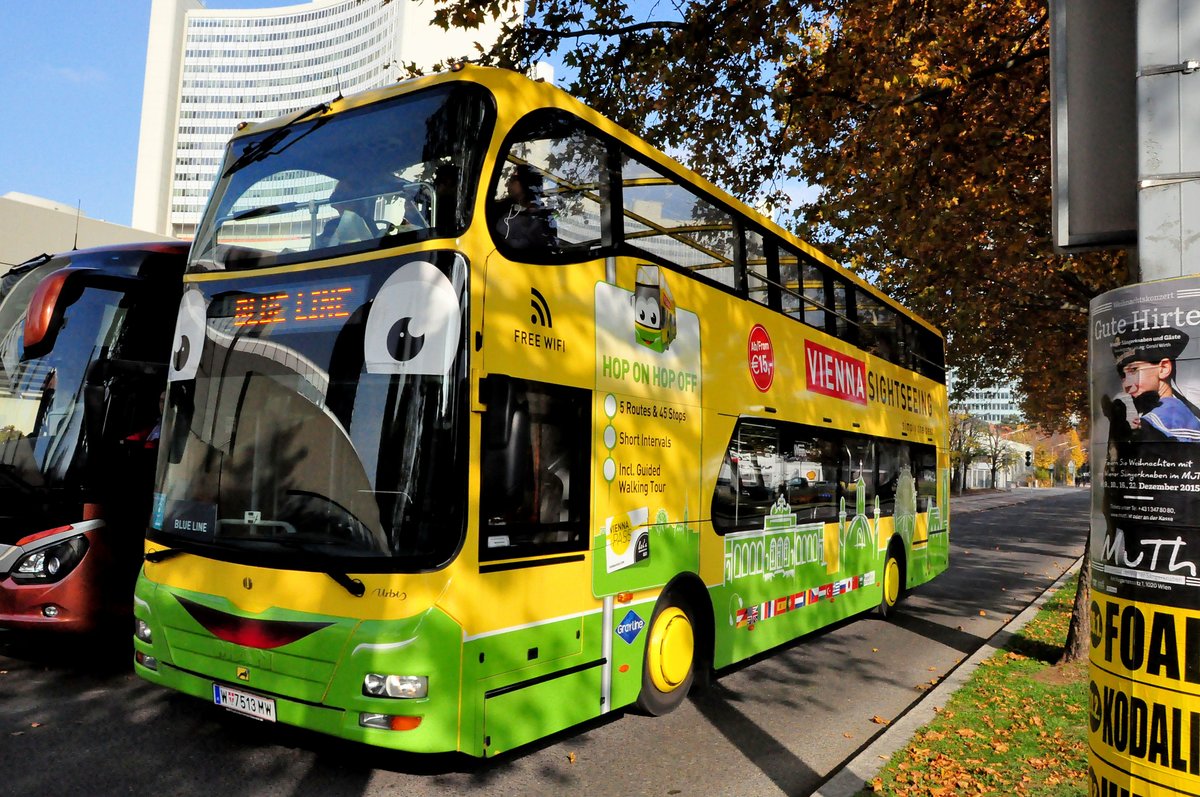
<point>855,774</point>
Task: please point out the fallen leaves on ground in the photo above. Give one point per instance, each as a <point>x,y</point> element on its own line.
<point>1009,730</point>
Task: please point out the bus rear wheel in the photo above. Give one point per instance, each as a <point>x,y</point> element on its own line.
<point>669,666</point>
<point>893,582</point>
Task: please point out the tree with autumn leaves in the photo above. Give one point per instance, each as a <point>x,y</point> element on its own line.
<point>924,125</point>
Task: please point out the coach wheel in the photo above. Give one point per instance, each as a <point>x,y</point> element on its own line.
<point>893,582</point>
<point>670,660</point>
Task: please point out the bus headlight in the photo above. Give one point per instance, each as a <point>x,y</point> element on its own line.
<point>398,686</point>
<point>51,563</point>
<point>141,630</point>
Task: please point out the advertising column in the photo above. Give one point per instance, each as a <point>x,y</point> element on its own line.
<point>1144,353</point>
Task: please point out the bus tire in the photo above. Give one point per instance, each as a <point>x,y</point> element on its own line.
<point>893,581</point>
<point>670,661</point>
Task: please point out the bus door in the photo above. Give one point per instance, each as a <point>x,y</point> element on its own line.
<point>646,432</point>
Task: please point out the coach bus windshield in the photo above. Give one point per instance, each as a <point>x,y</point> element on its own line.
<point>313,420</point>
<point>54,410</point>
<point>369,178</point>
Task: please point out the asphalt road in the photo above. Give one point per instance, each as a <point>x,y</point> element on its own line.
<point>74,720</point>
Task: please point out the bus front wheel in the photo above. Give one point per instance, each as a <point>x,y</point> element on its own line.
<point>893,582</point>
<point>670,660</point>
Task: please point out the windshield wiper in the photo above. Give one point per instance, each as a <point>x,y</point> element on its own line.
<point>351,585</point>
<point>262,148</point>
<point>29,264</point>
<point>163,555</point>
<point>265,210</point>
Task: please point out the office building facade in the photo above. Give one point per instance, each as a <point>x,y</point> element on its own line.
<point>997,404</point>
<point>209,69</point>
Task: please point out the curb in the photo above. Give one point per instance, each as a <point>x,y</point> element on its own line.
<point>855,774</point>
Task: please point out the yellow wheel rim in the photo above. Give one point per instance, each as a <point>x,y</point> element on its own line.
<point>670,649</point>
<point>891,581</point>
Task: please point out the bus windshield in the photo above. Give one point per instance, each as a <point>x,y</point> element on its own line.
<point>370,178</point>
<point>50,408</point>
<point>307,423</point>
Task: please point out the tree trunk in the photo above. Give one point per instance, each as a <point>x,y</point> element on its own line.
<point>1080,631</point>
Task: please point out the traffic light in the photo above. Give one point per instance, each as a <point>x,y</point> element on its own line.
<point>1028,458</point>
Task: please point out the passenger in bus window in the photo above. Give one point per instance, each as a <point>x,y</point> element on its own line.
<point>524,221</point>
<point>1146,363</point>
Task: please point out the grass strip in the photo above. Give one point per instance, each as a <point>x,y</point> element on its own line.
<point>1017,727</point>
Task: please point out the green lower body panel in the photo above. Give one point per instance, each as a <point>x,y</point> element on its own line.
<point>314,681</point>
<point>522,713</point>
<point>756,620</point>
<point>525,683</point>
<point>938,554</point>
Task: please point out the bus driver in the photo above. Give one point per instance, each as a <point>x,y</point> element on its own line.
<point>355,216</point>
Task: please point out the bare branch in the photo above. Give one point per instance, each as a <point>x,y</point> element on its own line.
<point>608,30</point>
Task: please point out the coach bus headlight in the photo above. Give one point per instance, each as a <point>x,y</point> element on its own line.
<point>141,630</point>
<point>52,562</point>
<point>399,686</point>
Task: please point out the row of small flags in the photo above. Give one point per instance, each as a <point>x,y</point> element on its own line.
<point>787,603</point>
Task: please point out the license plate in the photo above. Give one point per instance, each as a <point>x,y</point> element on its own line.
<point>261,708</point>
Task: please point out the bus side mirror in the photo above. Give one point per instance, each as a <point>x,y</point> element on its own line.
<point>51,298</point>
<point>44,317</point>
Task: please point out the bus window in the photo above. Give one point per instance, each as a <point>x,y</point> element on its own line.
<point>664,219</point>
<point>925,473</point>
<point>930,355</point>
<point>789,468</point>
<point>392,173</point>
<point>789,278</point>
<point>858,473</point>
<point>904,337</point>
<point>547,196</point>
<point>534,469</point>
<point>750,479</point>
<point>892,461</point>
<point>757,270</point>
<point>843,308</point>
<point>877,327</point>
<point>815,300</point>
<point>810,474</point>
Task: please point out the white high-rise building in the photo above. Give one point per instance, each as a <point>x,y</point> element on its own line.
<point>209,69</point>
<point>999,404</point>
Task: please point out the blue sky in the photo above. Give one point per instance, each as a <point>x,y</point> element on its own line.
<point>71,72</point>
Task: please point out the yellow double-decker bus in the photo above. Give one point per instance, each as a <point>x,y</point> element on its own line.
<point>486,418</point>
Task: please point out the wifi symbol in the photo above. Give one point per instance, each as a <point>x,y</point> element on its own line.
<point>541,310</point>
